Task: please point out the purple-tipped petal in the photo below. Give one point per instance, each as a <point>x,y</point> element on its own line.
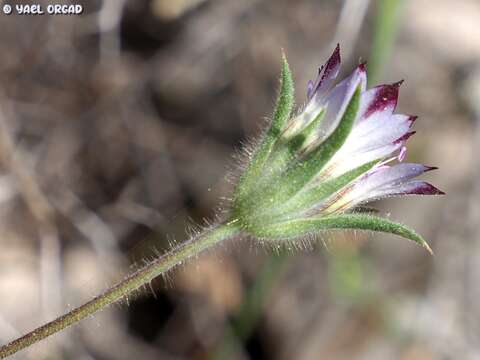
<point>412,187</point>
<point>326,76</point>
<point>389,181</point>
<point>337,101</point>
<point>381,182</point>
<point>418,188</point>
<point>393,175</point>
<point>404,137</point>
<point>383,128</point>
<point>381,98</point>
<point>378,136</point>
<point>412,119</point>
<point>370,140</point>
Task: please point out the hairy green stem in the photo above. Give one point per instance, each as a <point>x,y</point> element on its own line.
<point>131,283</point>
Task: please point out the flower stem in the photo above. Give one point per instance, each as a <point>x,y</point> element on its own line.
<point>131,283</point>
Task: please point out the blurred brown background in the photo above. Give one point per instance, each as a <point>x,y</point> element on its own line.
<point>118,129</point>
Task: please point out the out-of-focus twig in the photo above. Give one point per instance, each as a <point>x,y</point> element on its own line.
<point>349,23</point>
<point>249,314</point>
<point>472,292</point>
<point>108,24</point>
<point>385,28</point>
<point>44,214</point>
<point>88,223</point>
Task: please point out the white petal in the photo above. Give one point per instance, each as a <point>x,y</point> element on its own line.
<point>372,139</point>
<point>390,176</point>
<point>340,165</point>
<point>376,131</point>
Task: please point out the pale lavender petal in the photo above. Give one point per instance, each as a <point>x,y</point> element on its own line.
<point>405,137</point>
<point>349,161</point>
<point>310,87</point>
<point>422,188</point>
<point>402,153</point>
<point>414,187</point>
<point>391,176</point>
<point>382,182</point>
<point>337,101</point>
<point>384,122</point>
<point>378,131</point>
<point>386,182</point>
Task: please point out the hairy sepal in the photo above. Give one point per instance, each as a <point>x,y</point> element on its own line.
<point>312,226</point>
<point>286,152</point>
<point>281,115</point>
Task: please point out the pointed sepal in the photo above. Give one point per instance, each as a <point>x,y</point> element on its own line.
<point>281,115</point>
<point>302,227</point>
<point>285,100</point>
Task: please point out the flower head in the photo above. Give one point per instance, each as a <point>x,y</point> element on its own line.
<point>343,149</point>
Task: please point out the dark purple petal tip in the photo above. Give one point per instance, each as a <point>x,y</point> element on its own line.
<point>425,188</point>
<point>386,95</point>
<point>430,168</point>
<point>404,138</point>
<point>412,119</point>
<point>335,55</point>
<point>331,65</point>
<point>398,83</point>
<point>326,74</point>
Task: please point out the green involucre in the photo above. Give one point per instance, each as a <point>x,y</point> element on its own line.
<point>286,152</point>
<point>260,206</point>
